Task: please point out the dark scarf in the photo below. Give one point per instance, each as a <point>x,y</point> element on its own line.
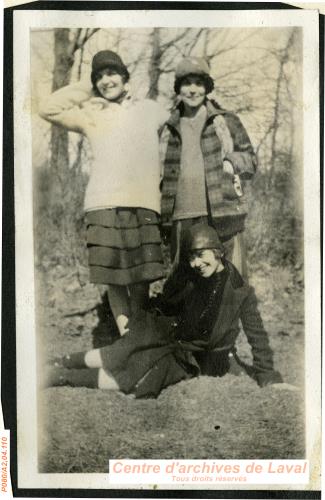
<point>202,307</point>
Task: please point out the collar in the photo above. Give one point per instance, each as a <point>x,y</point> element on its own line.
<point>212,108</point>
<point>207,284</point>
<point>127,101</point>
<point>234,275</point>
<point>198,118</point>
<point>232,299</point>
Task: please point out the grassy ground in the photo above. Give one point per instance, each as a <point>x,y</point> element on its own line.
<point>231,417</point>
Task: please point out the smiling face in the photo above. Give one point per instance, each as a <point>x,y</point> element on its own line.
<point>192,91</point>
<point>206,262</point>
<point>110,84</point>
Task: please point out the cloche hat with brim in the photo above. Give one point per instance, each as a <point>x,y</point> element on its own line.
<point>193,66</point>
<point>201,237</point>
<point>107,59</point>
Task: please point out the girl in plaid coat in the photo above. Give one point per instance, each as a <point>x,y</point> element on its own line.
<point>207,157</point>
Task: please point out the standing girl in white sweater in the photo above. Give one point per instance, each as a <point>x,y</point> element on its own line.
<point>122,201</point>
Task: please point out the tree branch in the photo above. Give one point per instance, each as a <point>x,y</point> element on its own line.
<point>231,47</point>
<point>191,45</point>
<point>90,34</point>
<point>166,45</point>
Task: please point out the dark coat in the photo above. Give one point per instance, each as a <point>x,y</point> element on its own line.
<point>223,138</point>
<point>153,355</point>
<point>238,304</point>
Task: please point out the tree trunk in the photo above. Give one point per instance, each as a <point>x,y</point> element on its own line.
<point>277,106</point>
<point>61,76</point>
<point>154,66</point>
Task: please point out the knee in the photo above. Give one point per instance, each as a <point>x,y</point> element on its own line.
<point>106,381</point>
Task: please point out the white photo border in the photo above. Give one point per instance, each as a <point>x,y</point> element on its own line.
<point>24,21</point>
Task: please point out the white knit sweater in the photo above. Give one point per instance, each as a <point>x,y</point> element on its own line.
<point>124,141</point>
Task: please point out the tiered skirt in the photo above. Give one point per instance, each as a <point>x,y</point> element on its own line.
<point>124,246</point>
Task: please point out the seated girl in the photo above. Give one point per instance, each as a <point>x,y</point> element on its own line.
<point>160,350</point>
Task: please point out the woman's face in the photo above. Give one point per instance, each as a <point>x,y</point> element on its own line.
<point>192,91</point>
<point>205,262</point>
<point>110,84</point>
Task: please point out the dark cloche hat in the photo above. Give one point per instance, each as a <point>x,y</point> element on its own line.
<point>193,66</point>
<point>201,236</point>
<point>107,59</point>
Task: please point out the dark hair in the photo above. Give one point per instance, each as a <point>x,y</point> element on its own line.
<point>206,79</point>
<point>218,253</point>
<point>96,76</point>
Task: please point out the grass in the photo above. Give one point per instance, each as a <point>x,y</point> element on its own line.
<point>208,418</point>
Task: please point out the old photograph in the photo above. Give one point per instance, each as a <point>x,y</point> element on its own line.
<point>167,248</point>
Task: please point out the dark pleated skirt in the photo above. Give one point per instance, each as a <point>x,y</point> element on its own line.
<point>147,359</point>
<point>124,246</point>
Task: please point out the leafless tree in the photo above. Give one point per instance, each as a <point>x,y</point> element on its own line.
<point>66,43</point>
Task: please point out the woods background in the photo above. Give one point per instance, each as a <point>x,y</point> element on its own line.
<point>258,75</point>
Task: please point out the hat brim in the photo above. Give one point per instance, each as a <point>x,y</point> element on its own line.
<point>207,80</point>
<point>122,70</point>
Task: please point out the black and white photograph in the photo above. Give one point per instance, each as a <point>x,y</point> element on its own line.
<point>167,242</point>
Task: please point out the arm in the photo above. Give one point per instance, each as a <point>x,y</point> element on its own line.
<point>164,135</point>
<point>63,106</point>
<point>159,113</point>
<point>175,292</point>
<point>242,158</point>
<point>257,337</point>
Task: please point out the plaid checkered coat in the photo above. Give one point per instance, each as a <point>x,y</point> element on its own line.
<point>223,138</point>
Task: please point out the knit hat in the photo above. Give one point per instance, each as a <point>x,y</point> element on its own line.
<point>201,236</point>
<point>107,59</point>
<point>193,66</point>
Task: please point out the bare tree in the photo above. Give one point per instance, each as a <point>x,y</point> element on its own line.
<point>283,56</point>
<point>255,73</point>
<point>66,44</point>
<point>154,65</point>
<point>161,53</point>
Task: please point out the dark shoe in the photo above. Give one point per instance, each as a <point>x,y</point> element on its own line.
<point>106,331</point>
<point>56,362</point>
<point>73,360</point>
<point>54,377</point>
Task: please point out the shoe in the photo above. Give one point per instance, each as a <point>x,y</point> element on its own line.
<point>53,377</point>
<point>56,362</point>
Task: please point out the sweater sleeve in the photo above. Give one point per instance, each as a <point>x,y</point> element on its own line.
<point>63,106</point>
<point>258,339</point>
<point>157,113</point>
<point>242,158</point>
